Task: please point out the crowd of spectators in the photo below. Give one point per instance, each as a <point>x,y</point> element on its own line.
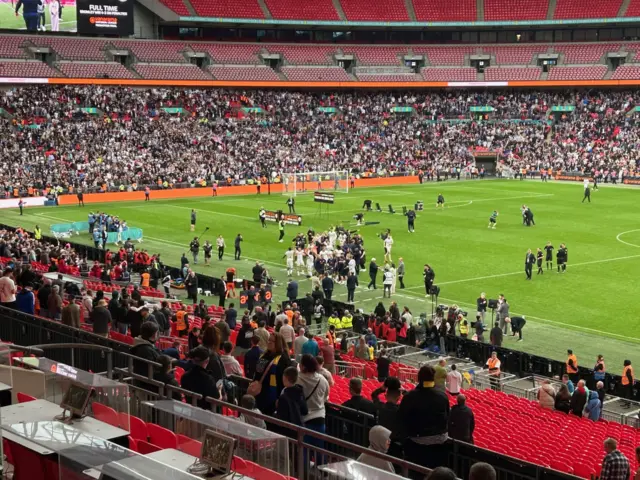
<point>48,141</point>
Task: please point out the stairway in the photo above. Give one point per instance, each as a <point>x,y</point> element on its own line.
<point>192,11</point>
<point>552,9</point>
<point>265,9</point>
<point>480,10</point>
<point>623,8</point>
<point>408,4</point>
<point>338,7</point>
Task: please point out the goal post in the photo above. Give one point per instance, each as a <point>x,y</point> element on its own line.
<point>295,184</point>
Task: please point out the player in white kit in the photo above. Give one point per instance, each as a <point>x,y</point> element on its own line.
<point>310,265</point>
<point>299,261</point>
<point>388,243</point>
<point>289,256</point>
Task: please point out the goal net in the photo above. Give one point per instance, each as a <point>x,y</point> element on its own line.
<point>308,182</point>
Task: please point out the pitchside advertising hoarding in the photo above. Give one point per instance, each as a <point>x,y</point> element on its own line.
<point>90,17</point>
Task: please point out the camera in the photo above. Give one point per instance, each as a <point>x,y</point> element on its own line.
<point>463,313</point>
<point>442,308</point>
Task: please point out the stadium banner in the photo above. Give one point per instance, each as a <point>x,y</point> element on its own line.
<point>28,202</point>
<point>99,17</point>
<point>322,197</point>
<point>571,178</point>
<point>264,295</point>
<point>271,216</point>
<point>631,181</point>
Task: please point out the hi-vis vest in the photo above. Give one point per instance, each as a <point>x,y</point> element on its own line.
<point>331,338</point>
<point>37,233</point>
<point>494,363</point>
<point>347,322</point>
<point>464,328</point>
<point>335,321</point>
<point>625,380</point>
<point>180,320</point>
<point>573,369</point>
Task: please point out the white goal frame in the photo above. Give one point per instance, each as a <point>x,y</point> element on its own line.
<point>299,183</point>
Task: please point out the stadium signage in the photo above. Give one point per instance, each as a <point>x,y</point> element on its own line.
<point>563,108</point>
<point>114,17</point>
<point>402,109</point>
<point>174,110</point>
<point>271,216</point>
<point>481,109</point>
<point>322,197</point>
<point>327,109</point>
<point>264,295</point>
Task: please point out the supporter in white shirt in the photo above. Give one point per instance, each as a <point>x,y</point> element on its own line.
<point>7,289</point>
<point>300,340</point>
<point>287,332</point>
<point>231,365</point>
<point>454,381</point>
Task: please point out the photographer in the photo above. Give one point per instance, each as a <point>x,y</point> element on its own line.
<point>359,217</point>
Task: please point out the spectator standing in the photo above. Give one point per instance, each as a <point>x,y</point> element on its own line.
<point>423,419</point>
<point>567,381</point>
<point>384,364</point>
<point>454,381</point>
<point>243,340</point>
<point>7,289</point>
<point>546,395</point>
<point>461,421</point>
<point>287,333</point>
<point>87,304</point>
<point>263,335</point>
<point>144,347</point>
<point>324,372</point>
<point>357,401</point>
<point>572,366</point>
<point>100,318</point>
<point>26,301</point>
<point>628,381</point>
<point>593,409</point>
<point>496,335</point>
<point>231,365</point>
<point>269,371</point>
<point>562,402</point>
<point>292,406</point>
<point>329,358</point>
<point>579,399</point>
<point>43,299</point>
<point>71,315</point>
<point>252,357</point>
<point>615,465</point>
<point>197,379</point>
<point>387,411</point>
<point>441,374</point>
<point>482,471</point>
<point>54,303</point>
<point>379,442</point>
<point>310,347</point>
<point>231,316</point>
<point>316,392</point>
<point>599,369</point>
<point>298,343</point>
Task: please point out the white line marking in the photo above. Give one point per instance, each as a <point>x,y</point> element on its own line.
<point>627,243</point>
<point>521,272</point>
<point>53,218</point>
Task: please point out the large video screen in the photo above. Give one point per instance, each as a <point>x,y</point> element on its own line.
<point>113,17</point>
<point>90,17</point>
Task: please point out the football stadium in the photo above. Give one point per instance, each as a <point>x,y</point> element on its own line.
<point>265,239</point>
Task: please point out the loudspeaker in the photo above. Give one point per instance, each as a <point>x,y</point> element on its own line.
<point>404,210</point>
<point>493,303</point>
<point>378,209</point>
<point>391,210</point>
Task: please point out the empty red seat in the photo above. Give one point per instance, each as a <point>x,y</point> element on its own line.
<point>161,436</point>
<point>105,414</point>
<point>188,445</point>
<point>136,427</point>
<point>144,448</point>
<point>23,397</point>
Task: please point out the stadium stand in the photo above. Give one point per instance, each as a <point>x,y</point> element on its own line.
<point>505,10</point>
<point>401,77</point>
<point>177,6</point>
<point>228,53</point>
<point>11,46</point>
<point>304,54</point>
<point>93,70</point>
<point>444,55</point>
<point>376,55</point>
<point>145,51</point>
<point>316,74</point>
<point>228,8</point>
<point>514,55</point>
<point>566,9</point>
<point>493,74</point>
<point>170,72</point>
<point>585,53</point>
<point>73,48</point>
<point>365,10</point>
<point>246,73</point>
<point>296,10</point>
<point>633,10</point>
<point>28,68</point>
<point>626,72</point>
<point>452,74</point>
<point>445,11</point>
<point>592,72</point>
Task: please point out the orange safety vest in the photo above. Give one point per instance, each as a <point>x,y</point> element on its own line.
<point>332,338</point>
<point>493,363</point>
<point>573,369</point>
<point>145,279</point>
<point>180,315</point>
<point>625,380</point>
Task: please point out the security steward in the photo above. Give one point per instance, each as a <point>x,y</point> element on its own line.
<point>182,325</point>
<point>627,382</point>
<point>37,233</point>
<point>572,367</point>
<point>347,321</point>
<point>493,364</point>
<point>463,325</point>
<point>335,321</point>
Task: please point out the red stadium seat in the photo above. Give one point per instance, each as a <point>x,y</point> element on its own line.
<point>161,436</point>
<point>105,414</point>
<point>23,397</point>
<point>136,427</point>
<point>145,448</point>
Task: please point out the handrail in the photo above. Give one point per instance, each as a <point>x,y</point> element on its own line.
<point>28,350</point>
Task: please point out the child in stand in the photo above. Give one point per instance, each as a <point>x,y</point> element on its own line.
<point>292,405</point>
<point>249,402</point>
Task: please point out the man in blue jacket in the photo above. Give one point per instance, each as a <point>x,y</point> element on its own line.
<point>29,13</point>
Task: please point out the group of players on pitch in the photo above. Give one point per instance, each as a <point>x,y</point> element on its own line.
<point>530,259</point>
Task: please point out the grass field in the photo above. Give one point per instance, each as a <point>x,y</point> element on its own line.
<point>8,19</point>
<point>592,308</point>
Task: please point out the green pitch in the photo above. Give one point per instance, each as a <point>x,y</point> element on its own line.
<point>592,308</point>
<point>8,19</point>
